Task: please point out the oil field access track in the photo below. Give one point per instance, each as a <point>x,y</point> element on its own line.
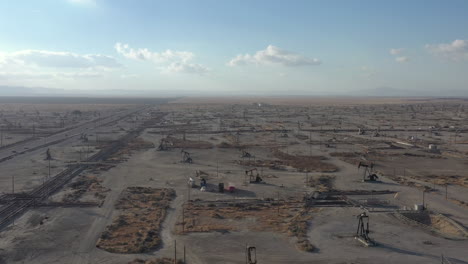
<point>16,205</point>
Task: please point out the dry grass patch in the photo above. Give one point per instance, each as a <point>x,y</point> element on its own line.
<point>137,229</point>
<point>322,183</point>
<point>284,217</point>
<point>305,163</point>
<point>352,158</point>
<point>181,143</point>
<point>86,184</point>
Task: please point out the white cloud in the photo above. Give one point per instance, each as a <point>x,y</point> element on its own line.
<point>396,51</point>
<point>145,54</point>
<point>456,51</point>
<point>402,59</point>
<point>170,61</point>
<point>54,59</point>
<point>181,67</point>
<point>274,55</point>
<point>398,54</point>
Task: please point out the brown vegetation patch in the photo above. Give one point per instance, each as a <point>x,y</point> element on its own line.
<point>437,221</point>
<point>86,184</point>
<point>456,201</point>
<point>443,179</point>
<point>136,230</point>
<point>181,143</point>
<point>322,183</point>
<point>155,261</point>
<point>285,217</point>
<point>272,164</point>
<point>408,182</point>
<point>139,143</point>
<point>301,137</point>
<point>226,145</point>
<point>132,146</point>
<point>305,163</point>
<point>349,157</point>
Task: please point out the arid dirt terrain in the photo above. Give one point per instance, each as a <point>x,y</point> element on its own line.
<point>199,180</point>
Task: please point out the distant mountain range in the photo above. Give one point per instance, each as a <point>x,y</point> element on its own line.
<point>29,91</point>
<point>393,92</point>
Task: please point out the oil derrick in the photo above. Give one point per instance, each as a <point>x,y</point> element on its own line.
<point>362,233</point>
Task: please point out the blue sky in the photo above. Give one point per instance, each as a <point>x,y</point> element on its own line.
<point>235,47</point>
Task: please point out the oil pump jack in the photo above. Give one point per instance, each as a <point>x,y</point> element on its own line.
<point>250,255</point>
<point>246,154</point>
<point>164,145</point>
<point>368,174</point>
<point>186,158</point>
<point>362,233</point>
<point>253,178</point>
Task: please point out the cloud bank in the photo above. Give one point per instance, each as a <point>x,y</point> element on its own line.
<point>455,51</point>
<point>273,55</point>
<point>54,59</point>
<point>170,61</point>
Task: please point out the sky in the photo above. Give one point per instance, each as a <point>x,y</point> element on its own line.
<point>236,47</point>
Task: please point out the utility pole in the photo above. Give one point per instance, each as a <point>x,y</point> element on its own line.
<point>446,191</point>
<point>424,206</point>
<point>13,184</point>
<point>175,252</point>
<point>278,203</point>
<point>310,143</point>
<point>188,191</point>
<point>183,221</point>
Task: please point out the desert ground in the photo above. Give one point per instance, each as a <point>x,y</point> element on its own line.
<point>210,180</point>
